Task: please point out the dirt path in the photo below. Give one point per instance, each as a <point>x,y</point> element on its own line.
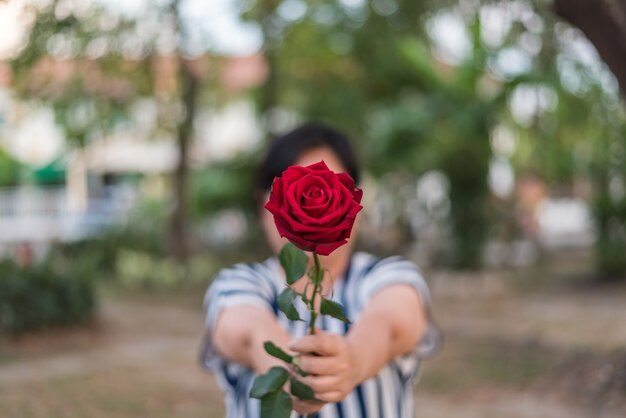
<point>141,359</point>
<point>570,318</point>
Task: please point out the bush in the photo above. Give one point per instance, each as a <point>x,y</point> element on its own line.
<point>41,296</point>
<point>97,256</point>
<point>139,270</point>
<point>9,170</point>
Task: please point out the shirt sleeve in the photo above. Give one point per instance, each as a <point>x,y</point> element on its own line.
<point>239,285</point>
<point>397,270</point>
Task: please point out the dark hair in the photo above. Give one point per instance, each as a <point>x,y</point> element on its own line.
<point>286,149</point>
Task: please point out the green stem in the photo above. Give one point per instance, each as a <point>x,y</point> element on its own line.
<point>318,275</point>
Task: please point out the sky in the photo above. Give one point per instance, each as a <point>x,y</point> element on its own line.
<point>227,34</point>
<point>12,31</point>
<point>223,32</point>
<point>218,18</point>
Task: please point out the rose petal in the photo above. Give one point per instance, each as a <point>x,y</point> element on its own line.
<point>299,188</point>
<point>285,232</point>
<point>315,208</point>
<point>335,234</point>
<point>321,166</point>
<point>276,196</point>
<point>294,206</point>
<point>346,180</point>
<point>358,195</point>
<point>326,249</point>
<point>298,226</point>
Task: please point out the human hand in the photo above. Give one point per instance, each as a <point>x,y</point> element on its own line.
<point>303,407</point>
<point>331,362</point>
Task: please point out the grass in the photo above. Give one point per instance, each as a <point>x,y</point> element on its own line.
<point>117,393</point>
<point>466,364</point>
<point>139,359</point>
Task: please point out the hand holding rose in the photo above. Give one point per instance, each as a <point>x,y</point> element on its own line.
<point>334,370</point>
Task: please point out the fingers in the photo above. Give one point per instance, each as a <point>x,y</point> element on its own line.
<point>321,343</point>
<point>306,407</point>
<point>331,397</point>
<point>318,365</point>
<point>321,384</point>
<point>327,388</point>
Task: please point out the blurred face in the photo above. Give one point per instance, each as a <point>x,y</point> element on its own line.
<point>308,157</point>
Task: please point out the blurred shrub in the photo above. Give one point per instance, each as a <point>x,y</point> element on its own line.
<point>133,254</point>
<point>9,170</point>
<point>139,270</point>
<point>224,184</point>
<point>610,246</point>
<point>42,296</point>
<point>97,256</point>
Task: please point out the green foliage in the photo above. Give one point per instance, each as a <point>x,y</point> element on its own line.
<point>275,351</point>
<point>368,71</point>
<point>294,262</point>
<point>139,270</point>
<point>300,390</point>
<point>133,255</point>
<point>609,204</point>
<point>9,170</point>
<point>127,259</point>
<point>96,65</point>
<point>271,381</point>
<point>373,73</point>
<point>443,123</point>
<point>334,309</point>
<point>277,404</point>
<point>43,296</point>
<point>106,255</point>
<point>96,92</point>
<point>610,247</point>
<point>286,304</point>
<point>221,186</point>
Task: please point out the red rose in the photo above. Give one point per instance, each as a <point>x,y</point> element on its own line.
<point>314,207</point>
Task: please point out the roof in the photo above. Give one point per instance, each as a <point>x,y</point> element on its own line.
<point>234,73</point>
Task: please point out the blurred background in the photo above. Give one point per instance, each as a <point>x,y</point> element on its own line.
<point>492,133</point>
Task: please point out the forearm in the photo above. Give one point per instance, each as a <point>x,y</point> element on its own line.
<point>392,325</point>
<point>372,347</point>
<point>240,333</point>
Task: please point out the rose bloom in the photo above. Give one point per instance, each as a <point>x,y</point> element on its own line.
<point>314,207</point>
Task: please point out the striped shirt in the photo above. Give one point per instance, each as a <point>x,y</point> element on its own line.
<point>387,395</point>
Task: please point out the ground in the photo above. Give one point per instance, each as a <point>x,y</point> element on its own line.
<point>515,348</point>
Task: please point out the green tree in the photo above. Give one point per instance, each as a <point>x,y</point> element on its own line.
<point>94,64</point>
<point>443,122</point>
<point>9,170</point>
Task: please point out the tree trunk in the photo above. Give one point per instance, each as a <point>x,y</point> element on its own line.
<point>178,235</point>
<point>604,24</point>
<point>269,91</point>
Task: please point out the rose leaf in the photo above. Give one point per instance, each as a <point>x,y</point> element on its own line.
<point>285,304</point>
<point>301,390</point>
<point>275,351</point>
<point>277,404</point>
<point>334,309</point>
<point>269,382</point>
<point>294,262</point>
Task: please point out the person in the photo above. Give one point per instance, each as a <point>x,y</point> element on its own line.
<point>366,369</point>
